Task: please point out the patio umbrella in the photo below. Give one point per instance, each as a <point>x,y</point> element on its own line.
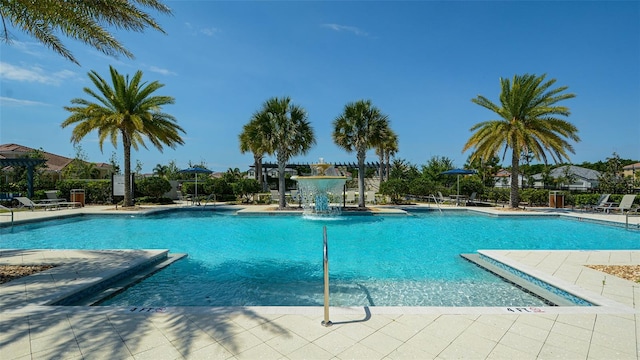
<point>458,172</point>
<point>196,170</point>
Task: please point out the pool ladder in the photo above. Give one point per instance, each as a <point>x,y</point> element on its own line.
<point>10,210</point>
<point>207,201</point>
<point>437,203</point>
<point>630,213</point>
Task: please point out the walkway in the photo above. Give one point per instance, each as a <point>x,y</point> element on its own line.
<point>31,329</point>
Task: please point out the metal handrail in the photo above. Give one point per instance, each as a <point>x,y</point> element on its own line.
<point>631,213</point>
<point>437,203</point>
<point>325,265</point>
<point>10,210</point>
<point>209,198</point>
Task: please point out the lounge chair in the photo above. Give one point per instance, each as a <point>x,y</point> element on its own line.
<point>26,202</point>
<point>275,196</point>
<point>472,199</point>
<point>295,197</point>
<point>602,202</point>
<point>351,197</point>
<point>183,198</point>
<point>625,204</point>
<point>370,197</point>
<point>441,199</point>
<point>52,198</point>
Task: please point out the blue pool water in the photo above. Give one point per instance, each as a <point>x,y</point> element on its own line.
<point>277,260</point>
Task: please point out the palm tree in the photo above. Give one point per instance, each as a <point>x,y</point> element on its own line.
<point>161,170</point>
<point>253,138</point>
<point>129,110</point>
<point>360,127</point>
<point>385,149</point>
<point>390,149</point>
<point>289,134</point>
<point>81,20</point>
<point>529,123</point>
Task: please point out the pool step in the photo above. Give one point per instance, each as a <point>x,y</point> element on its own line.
<point>518,281</point>
<point>113,286</point>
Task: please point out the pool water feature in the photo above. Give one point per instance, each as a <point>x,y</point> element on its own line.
<point>277,260</point>
<point>316,190</point>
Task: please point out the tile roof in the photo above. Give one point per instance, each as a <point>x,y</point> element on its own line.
<point>54,162</point>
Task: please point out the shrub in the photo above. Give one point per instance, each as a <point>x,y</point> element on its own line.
<point>421,186</point>
<point>95,191</point>
<point>243,188</point>
<point>153,187</point>
<point>395,188</point>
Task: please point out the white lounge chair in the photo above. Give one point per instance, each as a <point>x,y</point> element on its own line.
<point>441,199</point>
<point>350,197</point>
<point>183,198</point>
<point>295,197</point>
<point>26,202</point>
<point>472,199</point>
<point>602,202</point>
<point>370,197</point>
<point>52,197</point>
<point>275,196</point>
<point>625,204</point>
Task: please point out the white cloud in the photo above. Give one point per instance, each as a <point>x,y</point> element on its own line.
<point>352,29</point>
<point>210,31</point>
<point>161,70</point>
<point>30,48</point>
<point>6,101</point>
<point>33,74</point>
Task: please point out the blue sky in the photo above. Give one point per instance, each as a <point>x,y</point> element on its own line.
<point>420,62</point>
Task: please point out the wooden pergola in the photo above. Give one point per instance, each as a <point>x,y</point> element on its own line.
<point>29,164</point>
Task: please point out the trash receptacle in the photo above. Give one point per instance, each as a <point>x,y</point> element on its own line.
<point>77,195</point>
<point>556,200</point>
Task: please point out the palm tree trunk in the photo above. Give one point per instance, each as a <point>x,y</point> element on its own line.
<point>381,168</point>
<point>257,162</point>
<point>128,196</point>
<point>388,159</point>
<point>281,184</point>
<point>361,175</point>
<point>514,197</point>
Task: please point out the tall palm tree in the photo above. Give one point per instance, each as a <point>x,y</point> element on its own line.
<point>387,147</point>
<point>359,128</point>
<point>127,110</point>
<point>289,134</point>
<point>253,138</point>
<point>529,123</point>
<point>82,20</point>
<point>390,149</point>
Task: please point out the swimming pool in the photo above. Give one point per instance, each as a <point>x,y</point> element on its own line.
<point>277,260</point>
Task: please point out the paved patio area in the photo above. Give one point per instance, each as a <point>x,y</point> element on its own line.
<point>30,328</point>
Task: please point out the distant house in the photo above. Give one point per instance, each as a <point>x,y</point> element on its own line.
<point>55,165</point>
<point>632,170</point>
<point>503,179</point>
<point>582,179</point>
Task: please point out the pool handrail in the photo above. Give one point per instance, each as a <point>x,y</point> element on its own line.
<point>437,203</point>
<point>325,267</point>
<point>633,212</point>
<point>206,201</point>
<point>10,210</point>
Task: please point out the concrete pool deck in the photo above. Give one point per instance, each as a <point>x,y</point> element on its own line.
<point>32,329</point>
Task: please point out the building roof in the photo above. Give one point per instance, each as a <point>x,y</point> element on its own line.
<point>580,172</point>
<point>54,162</point>
<point>632,166</point>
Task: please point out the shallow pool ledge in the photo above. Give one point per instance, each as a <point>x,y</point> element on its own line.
<point>516,259</point>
